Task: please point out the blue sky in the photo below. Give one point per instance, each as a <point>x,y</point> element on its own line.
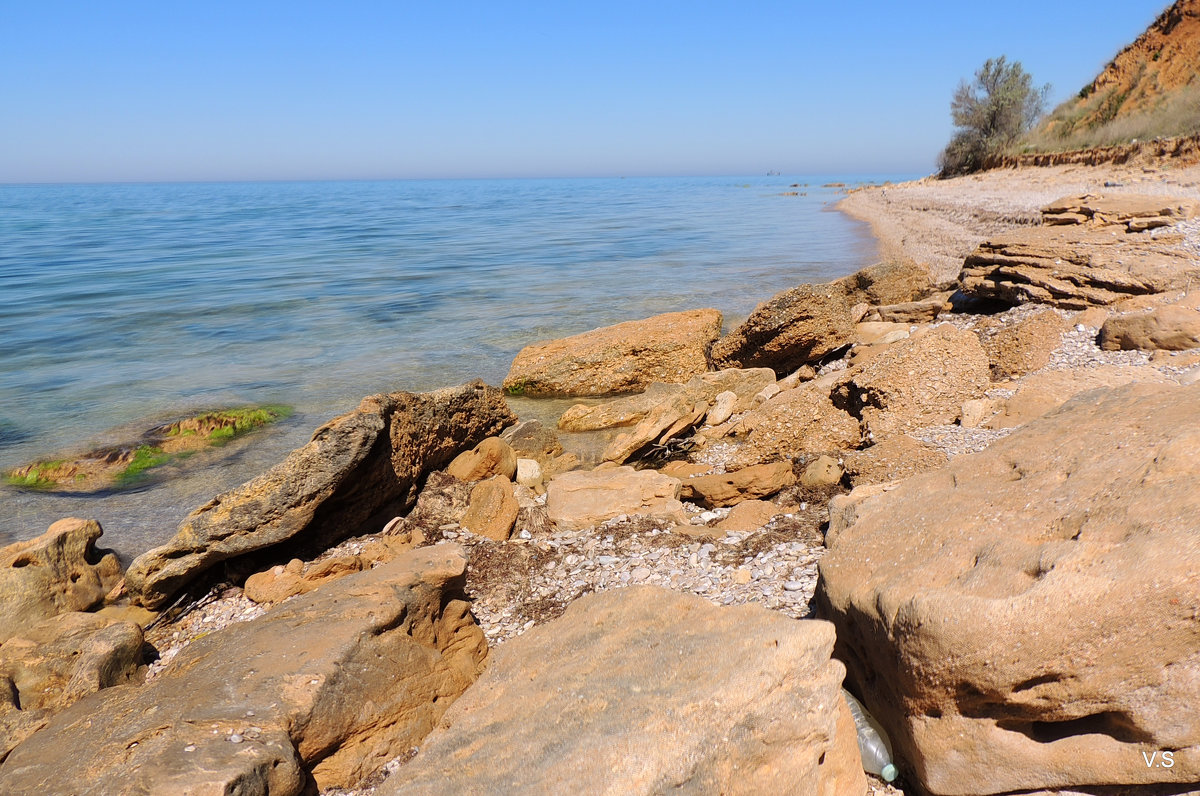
<point>463,88</point>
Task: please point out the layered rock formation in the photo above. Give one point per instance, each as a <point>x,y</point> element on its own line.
<point>1027,617</point>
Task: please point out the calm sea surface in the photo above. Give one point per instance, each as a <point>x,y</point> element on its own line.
<point>122,305</point>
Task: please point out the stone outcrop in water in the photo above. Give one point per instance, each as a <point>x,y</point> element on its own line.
<point>623,358</point>
<point>358,471</point>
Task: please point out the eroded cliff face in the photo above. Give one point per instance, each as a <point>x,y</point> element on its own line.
<point>1152,87</point>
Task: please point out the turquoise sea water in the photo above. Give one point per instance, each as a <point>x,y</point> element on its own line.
<point>121,305</point>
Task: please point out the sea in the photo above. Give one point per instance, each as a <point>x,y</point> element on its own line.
<point>125,305</point>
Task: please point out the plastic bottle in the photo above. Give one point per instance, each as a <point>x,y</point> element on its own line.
<point>873,744</point>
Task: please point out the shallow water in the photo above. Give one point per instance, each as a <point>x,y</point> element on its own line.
<point>121,305</point>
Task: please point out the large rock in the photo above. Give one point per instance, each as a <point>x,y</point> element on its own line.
<point>918,382</point>
<point>57,572</point>
<point>1135,211</point>
<point>733,487</point>
<point>492,509</point>
<point>529,439</point>
<point>626,357</point>
<point>325,687</point>
<point>58,661</point>
<point>1026,617</point>
<point>358,471</point>
<point>647,691</point>
<point>896,282</point>
<point>581,499</point>
<point>1026,345</point>
<point>1043,392</point>
<point>1162,328</point>
<point>892,459</point>
<point>790,329</point>
<point>669,419</point>
<point>1075,267</point>
<point>801,420</point>
<point>493,456</point>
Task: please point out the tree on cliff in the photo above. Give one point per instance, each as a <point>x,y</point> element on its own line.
<point>990,114</point>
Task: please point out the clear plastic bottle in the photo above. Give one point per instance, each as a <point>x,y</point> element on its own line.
<point>873,744</point>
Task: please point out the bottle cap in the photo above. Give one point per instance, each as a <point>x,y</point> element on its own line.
<point>889,773</point>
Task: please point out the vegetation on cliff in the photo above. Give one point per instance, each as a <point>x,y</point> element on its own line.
<point>990,115</point>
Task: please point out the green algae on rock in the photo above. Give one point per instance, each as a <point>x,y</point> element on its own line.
<point>128,464</point>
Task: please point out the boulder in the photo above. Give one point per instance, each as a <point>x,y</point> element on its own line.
<point>892,459</point>
<point>722,409</point>
<point>644,691</point>
<point>894,282</point>
<point>492,509</point>
<point>1167,328</point>
<point>358,471</point>
<point>326,687</point>
<point>731,488</point>
<point>792,328</point>
<point>493,456</point>
<point>800,420</point>
<point>821,472</point>
<point>669,419</point>
<point>57,572</point>
<point>918,382</point>
<point>581,499</point>
<point>1042,392</point>
<point>1075,267</point>
<point>1025,618</point>
<point>1025,346</point>
<point>626,357</point>
<point>58,661</point>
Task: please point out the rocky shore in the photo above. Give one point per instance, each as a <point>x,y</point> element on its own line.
<point>961,483</point>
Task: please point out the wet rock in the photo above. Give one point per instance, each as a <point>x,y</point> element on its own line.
<point>627,357</point>
<point>58,572</point>
<point>327,687</point>
<point>582,499</point>
<point>359,471</point>
<point>642,691</point>
<point>984,608</point>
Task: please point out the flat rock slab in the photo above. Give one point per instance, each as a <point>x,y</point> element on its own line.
<point>1029,616</point>
<point>1075,267</point>
<point>645,691</point>
<point>359,471</point>
<point>582,499</point>
<point>627,357</point>
<point>327,687</point>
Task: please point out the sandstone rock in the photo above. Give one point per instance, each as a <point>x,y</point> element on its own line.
<point>1136,211</point>
<point>749,515</point>
<point>1167,328</point>
<point>58,661</point>
<point>359,470</point>
<point>529,473</point>
<point>918,382</point>
<point>492,510</point>
<point>581,499</point>
<point>892,459</point>
<point>669,419</point>
<point>875,332</point>
<point>530,439</point>
<point>684,469</point>
<point>888,283</point>
<point>794,327</point>
<point>766,394</point>
<point>730,488</point>
<point>492,456</point>
<point>645,691</point>
<point>57,572</point>
<point>626,357</point>
<point>296,577</point>
<point>1025,346</point>
<point>985,608</point>
<point>630,410</point>
<point>722,408</point>
<point>910,312</point>
<point>335,682</point>
<point>1093,317</point>
<point>1042,392</point>
<point>977,411</point>
<point>800,420</point>
<point>1074,267</point>
<point>800,374</point>
<point>823,471</point>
